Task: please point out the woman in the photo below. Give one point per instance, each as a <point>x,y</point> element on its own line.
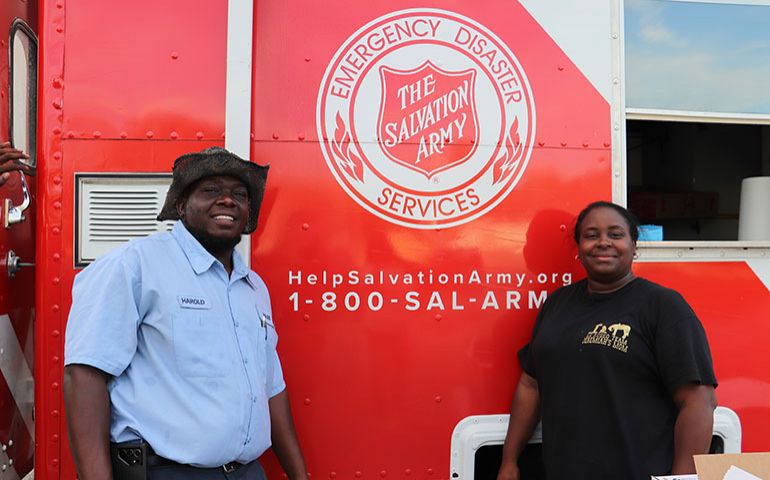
<point>618,368</point>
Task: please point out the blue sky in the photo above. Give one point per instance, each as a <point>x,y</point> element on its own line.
<point>697,56</point>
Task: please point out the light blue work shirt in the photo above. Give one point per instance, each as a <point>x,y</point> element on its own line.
<point>192,352</point>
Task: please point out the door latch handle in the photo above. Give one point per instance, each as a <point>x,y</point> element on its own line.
<point>15,213</point>
<point>14,263</point>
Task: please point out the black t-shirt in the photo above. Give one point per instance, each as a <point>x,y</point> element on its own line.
<point>607,367</point>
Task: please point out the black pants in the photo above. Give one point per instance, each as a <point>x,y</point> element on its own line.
<point>251,471</point>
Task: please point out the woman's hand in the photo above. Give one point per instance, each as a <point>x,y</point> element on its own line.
<point>508,471</point>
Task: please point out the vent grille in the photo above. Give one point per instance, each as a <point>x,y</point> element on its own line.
<point>115,209</point>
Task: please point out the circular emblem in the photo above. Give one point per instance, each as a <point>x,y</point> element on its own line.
<point>427,118</point>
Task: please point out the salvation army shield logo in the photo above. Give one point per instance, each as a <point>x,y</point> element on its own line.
<point>427,118</point>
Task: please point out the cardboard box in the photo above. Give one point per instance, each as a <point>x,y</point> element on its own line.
<point>728,466</point>
<point>733,466</point>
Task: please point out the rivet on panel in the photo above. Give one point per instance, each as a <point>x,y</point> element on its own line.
<point>251,135</point>
<point>430,471</point>
<point>561,69</point>
<point>306,317</point>
<point>70,134</point>
<point>59,4</point>
<point>541,144</point>
<point>55,280</point>
<point>57,205</point>
<point>307,59</point>
<point>123,134</point>
<point>55,308</point>
<point>56,230</point>
<point>55,386</point>
<point>307,401</point>
<point>55,359</point>
<point>55,333</point>
<point>56,104</point>
<point>54,413</point>
<point>223,135</point>
<point>199,135</point>
<point>54,438</point>
<point>284,476</point>
<point>438,317</point>
<point>305,226</point>
<point>301,136</point>
<point>358,474</point>
<point>149,134</point>
<point>57,180</point>
<point>332,474</point>
<point>57,82</point>
<point>174,135</point>
<point>383,473</point>
<point>563,144</point>
<point>97,134</point>
<point>275,136</point>
<point>57,156</point>
<point>59,29</point>
<point>438,399</point>
<point>585,145</point>
<point>408,471</point>
<point>174,55</point>
<point>563,228</point>
<point>56,131</point>
<point>55,462</point>
<point>606,144</point>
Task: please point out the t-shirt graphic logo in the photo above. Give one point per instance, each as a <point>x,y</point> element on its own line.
<point>426,118</point>
<point>615,336</point>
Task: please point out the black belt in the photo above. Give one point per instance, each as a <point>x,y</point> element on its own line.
<point>155,460</point>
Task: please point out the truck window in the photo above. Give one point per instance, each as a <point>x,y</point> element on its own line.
<point>23,87</point>
<point>698,116</point>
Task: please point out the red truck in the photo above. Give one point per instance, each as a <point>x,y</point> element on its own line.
<point>427,162</point>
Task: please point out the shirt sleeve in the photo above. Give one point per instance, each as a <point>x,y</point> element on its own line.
<point>526,353</point>
<point>681,347</point>
<point>104,319</point>
<point>276,383</point>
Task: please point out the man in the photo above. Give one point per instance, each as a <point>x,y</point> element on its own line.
<point>171,342</point>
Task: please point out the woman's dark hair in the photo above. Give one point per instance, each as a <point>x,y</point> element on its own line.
<point>630,218</point>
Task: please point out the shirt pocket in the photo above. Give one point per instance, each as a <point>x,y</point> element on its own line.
<point>199,344</point>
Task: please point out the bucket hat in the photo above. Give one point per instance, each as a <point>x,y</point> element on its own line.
<point>215,161</point>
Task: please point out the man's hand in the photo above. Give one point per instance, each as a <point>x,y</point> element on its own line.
<point>11,160</point>
<point>285,443</point>
<point>88,421</point>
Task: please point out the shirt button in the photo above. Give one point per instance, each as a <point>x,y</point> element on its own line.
<point>245,360</point>
<point>237,324</point>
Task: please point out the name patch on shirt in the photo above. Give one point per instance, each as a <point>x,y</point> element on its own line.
<point>189,301</point>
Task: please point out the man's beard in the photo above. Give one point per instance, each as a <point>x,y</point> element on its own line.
<point>211,243</point>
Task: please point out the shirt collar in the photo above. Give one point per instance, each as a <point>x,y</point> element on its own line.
<point>200,259</point>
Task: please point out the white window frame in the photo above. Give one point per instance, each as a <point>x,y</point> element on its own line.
<point>18,27</point>
<point>673,251</point>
